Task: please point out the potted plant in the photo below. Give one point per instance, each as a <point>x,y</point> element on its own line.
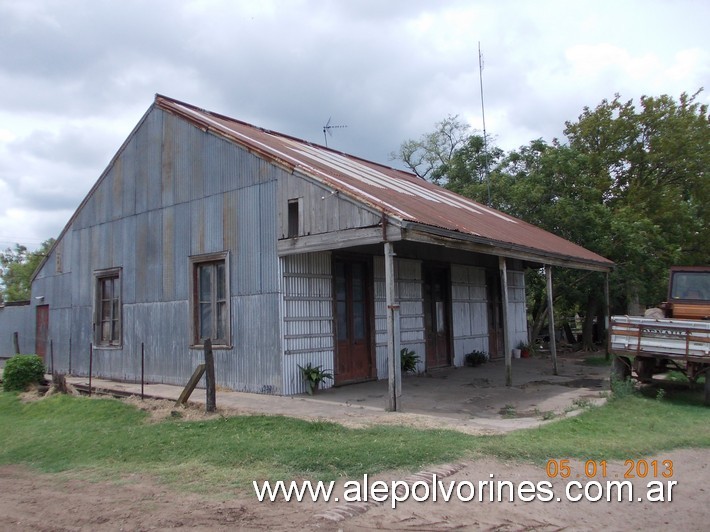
<point>409,360</point>
<point>475,358</point>
<point>313,376</point>
<point>524,349</point>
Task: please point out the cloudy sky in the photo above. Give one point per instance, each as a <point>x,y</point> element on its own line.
<point>76,76</point>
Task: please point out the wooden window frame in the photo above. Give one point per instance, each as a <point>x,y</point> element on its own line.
<point>100,276</point>
<point>196,262</point>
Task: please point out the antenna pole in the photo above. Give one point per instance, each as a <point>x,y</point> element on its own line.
<point>483,114</point>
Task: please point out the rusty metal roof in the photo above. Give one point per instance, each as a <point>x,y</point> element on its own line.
<point>399,194</point>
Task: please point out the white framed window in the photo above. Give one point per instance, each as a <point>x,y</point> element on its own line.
<point>210,302</point>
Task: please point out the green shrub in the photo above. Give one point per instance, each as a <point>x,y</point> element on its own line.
<point>21,371</point>
<point>409,360</point>
<point>621,388</point>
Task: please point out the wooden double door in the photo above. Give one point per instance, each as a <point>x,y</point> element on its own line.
<point>437,315</point>
<point>353,290</point>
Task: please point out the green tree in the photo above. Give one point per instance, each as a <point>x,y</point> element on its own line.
<point>16,268</point>
<point>630,183</point>
<point>432,151</point>
<point>651,163</point>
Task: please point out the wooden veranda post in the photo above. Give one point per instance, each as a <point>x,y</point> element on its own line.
<point>551,318</point>
<point>506,325</point>
<point>394,368</point>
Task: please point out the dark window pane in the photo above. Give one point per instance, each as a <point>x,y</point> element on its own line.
<point>342,320</point>
<point>292,218</point>
<point>106,331</point>
<point>107,289</point>
<point>206,321</point>
<point>205,274</point>
<point>116,331</point>
<point>222,321</point>
<point>358,285</point>
<point>221,282</point>
<point>358,320</point>
<point>340,285</point>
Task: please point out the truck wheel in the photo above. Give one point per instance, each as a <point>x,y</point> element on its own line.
<point>707,387</point>
<point>620,368</point>
<point>644,368</point>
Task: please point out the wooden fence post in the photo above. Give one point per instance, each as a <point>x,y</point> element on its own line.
<point>209,377</point>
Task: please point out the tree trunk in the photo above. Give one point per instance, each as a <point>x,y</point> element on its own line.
<point>588,327</point>
<point>538,323</point>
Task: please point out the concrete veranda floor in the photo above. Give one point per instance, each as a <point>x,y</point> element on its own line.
<point>472,400</point>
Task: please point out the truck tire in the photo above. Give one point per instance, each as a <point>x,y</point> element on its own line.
<point>644,368</point>
<point>620,368</point>
<point>707,386</point>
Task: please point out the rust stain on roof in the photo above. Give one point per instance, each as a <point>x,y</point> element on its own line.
<point>402,195</point>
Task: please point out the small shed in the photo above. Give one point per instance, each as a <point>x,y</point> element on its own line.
<point>283,253</point>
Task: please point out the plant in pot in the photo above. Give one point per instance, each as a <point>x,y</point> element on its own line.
<point>409,360</point>
<point>524,349</point>
<point>313,376</point>
<point>475,358</point>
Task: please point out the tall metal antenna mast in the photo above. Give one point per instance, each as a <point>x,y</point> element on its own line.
<point>483,114</point>
<point>326,129</point>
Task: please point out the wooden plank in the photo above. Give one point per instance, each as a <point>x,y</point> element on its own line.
<point>191,385</point>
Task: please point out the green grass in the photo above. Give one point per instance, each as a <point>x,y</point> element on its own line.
<point>679,376</point>
<point>597,360</point>
<point>631,427</point>
<point>105,437</point>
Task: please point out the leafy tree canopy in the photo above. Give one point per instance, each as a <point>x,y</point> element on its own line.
<point>16,268</point>
<point>629,182</point>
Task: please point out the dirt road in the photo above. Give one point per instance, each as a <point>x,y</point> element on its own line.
<point>31,501</point>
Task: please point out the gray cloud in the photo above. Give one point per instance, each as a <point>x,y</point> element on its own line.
<point>77,76</point>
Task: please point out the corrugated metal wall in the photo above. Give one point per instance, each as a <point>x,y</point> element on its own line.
<point>469,307</point>
<point>20,319</point>
<point>517,307</point>
<point>172,192</point>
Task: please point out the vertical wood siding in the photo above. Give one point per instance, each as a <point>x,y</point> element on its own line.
<point>322,211</point>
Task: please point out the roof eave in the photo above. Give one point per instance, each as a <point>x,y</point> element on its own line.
<point>421,232</point>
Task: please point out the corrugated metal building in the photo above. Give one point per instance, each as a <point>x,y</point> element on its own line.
<point>204,226</point>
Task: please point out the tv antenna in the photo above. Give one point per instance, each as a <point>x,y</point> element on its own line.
<point>326,129</point>
<point>483,114</point>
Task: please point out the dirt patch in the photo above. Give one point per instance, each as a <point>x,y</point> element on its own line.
<point>162,409</point>
<point>32,501</point>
